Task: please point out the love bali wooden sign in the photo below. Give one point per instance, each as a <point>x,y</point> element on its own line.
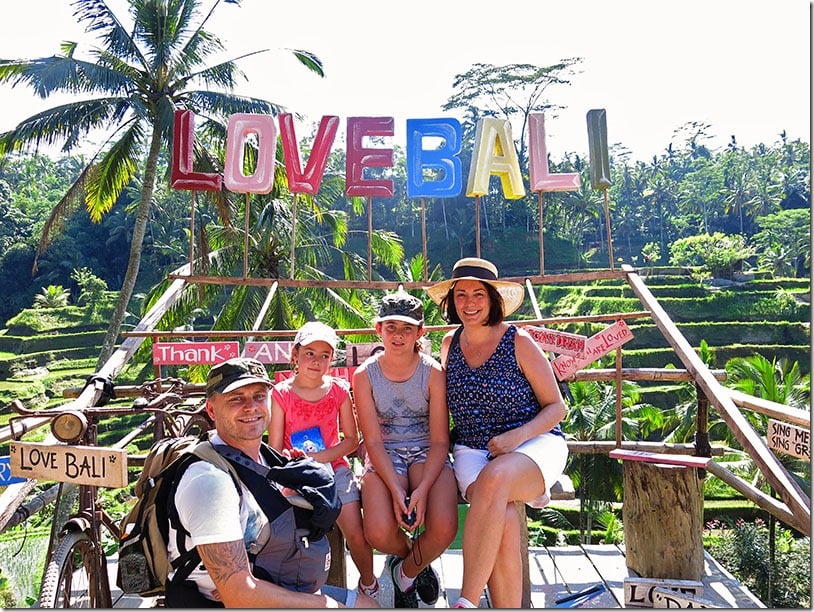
<point>434,171</point>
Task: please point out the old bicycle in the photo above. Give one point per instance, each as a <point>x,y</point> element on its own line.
<point>76,564</point>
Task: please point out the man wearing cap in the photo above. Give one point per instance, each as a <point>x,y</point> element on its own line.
<point>227,526</point>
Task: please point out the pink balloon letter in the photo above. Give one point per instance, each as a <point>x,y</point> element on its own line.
<point>541,179</point>
<point>241,126</point>
<point>494,153</point>
<point>359,158</point>
<point>181,173</point>
<point>307,181</point>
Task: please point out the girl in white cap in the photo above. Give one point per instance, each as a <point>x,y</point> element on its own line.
<point>506,407</point>
<point>308,411</point>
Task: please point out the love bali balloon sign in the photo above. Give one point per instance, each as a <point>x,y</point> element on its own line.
<point>431,172</point>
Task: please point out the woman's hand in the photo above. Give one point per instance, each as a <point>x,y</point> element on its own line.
<point>504,443</point>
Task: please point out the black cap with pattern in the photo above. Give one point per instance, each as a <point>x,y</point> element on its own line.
<point>233,373</point>
<point>401,306</point>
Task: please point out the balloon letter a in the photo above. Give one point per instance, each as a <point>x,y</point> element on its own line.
<point>494,153</point>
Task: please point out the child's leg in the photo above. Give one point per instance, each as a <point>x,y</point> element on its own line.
<point>380,527</point>
<point>350,522</point>
<point>440,522</point>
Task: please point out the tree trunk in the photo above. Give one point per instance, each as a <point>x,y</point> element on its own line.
<point>663,520</point>
<point>134,262</point>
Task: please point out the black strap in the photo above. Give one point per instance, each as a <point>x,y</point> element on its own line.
<point>108,390</point>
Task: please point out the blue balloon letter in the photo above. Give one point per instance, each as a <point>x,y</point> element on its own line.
<point>444,176</point>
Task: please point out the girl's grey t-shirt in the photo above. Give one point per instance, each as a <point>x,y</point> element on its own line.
<point>403,408</point>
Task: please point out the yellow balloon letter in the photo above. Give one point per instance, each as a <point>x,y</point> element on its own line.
<point>494,153</point>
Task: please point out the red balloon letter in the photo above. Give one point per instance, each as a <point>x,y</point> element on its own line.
<point>307,181</point>
<point>358,157</point>
<point>181,174</point>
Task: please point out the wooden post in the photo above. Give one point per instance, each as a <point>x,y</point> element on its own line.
<point>663,520</point>
<point>337,575</point>
<point>525,602</point>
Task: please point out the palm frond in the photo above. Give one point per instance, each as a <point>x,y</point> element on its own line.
<point>113,172</point>
<point>100,19</point>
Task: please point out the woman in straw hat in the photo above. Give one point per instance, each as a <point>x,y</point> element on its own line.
<point>506,407</point>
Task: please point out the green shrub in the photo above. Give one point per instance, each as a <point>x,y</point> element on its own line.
<point>784,582</point>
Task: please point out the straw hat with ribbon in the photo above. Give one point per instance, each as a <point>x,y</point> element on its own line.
<point>474,268</point>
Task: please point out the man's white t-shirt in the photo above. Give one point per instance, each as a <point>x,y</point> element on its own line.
<point>211,510</point>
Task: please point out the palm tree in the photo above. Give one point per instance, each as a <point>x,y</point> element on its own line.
<point>592,416</point>
<point>143,72</point>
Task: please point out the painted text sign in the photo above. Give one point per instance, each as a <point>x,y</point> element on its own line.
<point>789,439</point>
<point>269,352</point>
<point>668,598</point>
<point>88,465</point>
<point>189,353</point>
<point>639,592</point>
<point>6,477</point>
<point>562,343</point>
<point>596,346</point>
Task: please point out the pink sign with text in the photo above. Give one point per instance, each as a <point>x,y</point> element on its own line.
<point>596,346</point>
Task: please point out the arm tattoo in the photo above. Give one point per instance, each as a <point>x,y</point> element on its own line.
<point>223,560</point>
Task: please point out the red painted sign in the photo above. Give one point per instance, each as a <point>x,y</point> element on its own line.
<point>188,353</point>
<point>596,346</point>
<point>560,342</point>
<point>269,352</point>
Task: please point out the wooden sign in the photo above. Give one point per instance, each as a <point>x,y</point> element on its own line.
<point>639,591</point>
<point>188,353</point>
<point>789,439</point>
<point>668,598</point>
<point>6,478</point>
<point>269,352</point>
<point>596,346</point>
<point>562,343</point>
<point>88,465</point>
<point>355,354</point>
<point>634,455</point>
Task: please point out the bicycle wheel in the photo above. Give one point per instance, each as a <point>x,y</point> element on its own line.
<point>70,580</point>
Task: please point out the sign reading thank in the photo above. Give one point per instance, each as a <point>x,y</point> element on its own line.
<point>88,465</point>
<point>188,353</point>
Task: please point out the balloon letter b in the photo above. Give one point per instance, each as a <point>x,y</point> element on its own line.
<point>241,126</point>
<point>181,173</point>
<point>442,163</point>
<point>598,148</point>
<point>493,153</point>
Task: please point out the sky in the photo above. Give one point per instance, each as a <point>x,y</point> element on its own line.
<point>743,67</point>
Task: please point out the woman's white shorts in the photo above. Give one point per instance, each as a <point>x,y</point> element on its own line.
<point>549,451</point>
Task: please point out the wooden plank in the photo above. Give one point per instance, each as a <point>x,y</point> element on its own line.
<point>88,465</point>
<point>573,566</point>
<point>609,561</point>
<point>791,493</point>
<point>669,459</point>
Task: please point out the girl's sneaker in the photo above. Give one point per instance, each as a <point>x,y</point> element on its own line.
<point>372,591</point>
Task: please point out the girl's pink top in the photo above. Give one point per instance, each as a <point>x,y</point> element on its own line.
<point>301,417</point>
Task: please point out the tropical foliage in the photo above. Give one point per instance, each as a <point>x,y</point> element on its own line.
<point>143,71</point>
